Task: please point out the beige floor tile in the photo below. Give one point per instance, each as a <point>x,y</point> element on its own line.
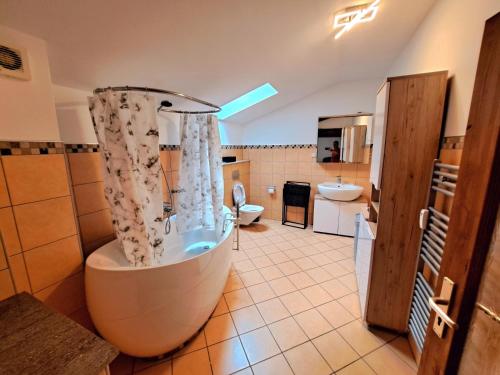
<point>385,361</point>
<point>306,360</point>
<point>196,343</point>
<point>164,368</point>
<point>289,268</point>
<point>351,303</point>
<point>401,347</point>
<point>262,261</point>
<point>273,310</point>
<point>247,319</point>
<point>244,266</point>
<point>335,350</point>
<point>221,307</point>
<point>238,299</point>
<point>348,264</point>
<point>261,292</point>
<point>319,275</point>
<point>313,323</point>
<point>285,246</point>
<point>320,259</point>
<point>276,365</point>
<point>233,282</point>
<point>251,278</point>
<point>295,302</point>
<point>335,255</point>
<point>254,253</point>
<point>262,241</point>
<point>278,258</point>
<point>357,368</point>
<point>335,269</point>
<point>294,254</point>
<point>287,333</point>
<point>195,363</point>
<point>227,357</point>
<point>219,328</point>
<point>259,345</point>
<point>271,273</point>
<point>305,263</point>
<point>308,250</point>
<point>238,256</point>
<point>316,295</point>
<point>269,249</point>
<point>349,281</point>
<point>301,280</point>
<point>363,340</point>
<point>335,314</point>
<point>335,288</point>
<point>282,286</point>
<point>246,371</point>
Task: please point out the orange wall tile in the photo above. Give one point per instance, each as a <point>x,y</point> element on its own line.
<point>51,263</point>
<point>32,178</point>
<point>90,197</point>
<point>8,230</point>
<point>67,296</point>
<point>6,285</point>
<point>19,273</point>
<point>4,194</point>
<point>85,167</point>
<point>95,226</point>
<point>43,222</point>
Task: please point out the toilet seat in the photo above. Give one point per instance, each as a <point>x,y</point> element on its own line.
<point>248,212</point>
<point>251,208</point>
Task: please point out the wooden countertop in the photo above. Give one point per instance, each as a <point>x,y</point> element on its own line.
<point>37,340</point>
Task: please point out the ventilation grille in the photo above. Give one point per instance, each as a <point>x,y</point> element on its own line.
<point>14,62</point>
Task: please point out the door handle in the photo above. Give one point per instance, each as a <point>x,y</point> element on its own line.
<point>435,303</point>
<point>440,305</point>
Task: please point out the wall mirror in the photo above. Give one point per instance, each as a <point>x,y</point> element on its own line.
<point>345,139</point>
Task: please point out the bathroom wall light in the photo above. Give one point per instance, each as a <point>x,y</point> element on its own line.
<point>347,18</point>
<point>247,100</point>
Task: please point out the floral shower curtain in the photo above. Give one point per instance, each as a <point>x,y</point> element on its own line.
<point>200,203</point>
<point>126,128</point>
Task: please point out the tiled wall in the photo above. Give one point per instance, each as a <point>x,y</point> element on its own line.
<point>40,243</point>
<point>276,165</point>
<point>92,210</point>
<point>238,172</point>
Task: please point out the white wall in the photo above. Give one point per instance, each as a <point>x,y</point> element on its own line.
<point>27,110</point>
<point>297,123</point>
<point>75,124</point>
<point>449,38</point>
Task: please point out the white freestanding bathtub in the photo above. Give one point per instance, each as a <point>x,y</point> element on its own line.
<point>150,311</point>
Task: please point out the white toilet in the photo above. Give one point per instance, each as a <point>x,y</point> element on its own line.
<point>248,212</point>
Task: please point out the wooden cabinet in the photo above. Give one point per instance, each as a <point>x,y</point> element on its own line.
<point>407,146</point>
<point>335,217</point>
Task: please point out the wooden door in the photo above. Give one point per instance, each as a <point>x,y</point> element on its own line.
<point>475,210</point>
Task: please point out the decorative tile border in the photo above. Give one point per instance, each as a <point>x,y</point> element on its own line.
<point>169,147</point>
<point>30,148</point>
<point>453,142</point>
<point>77,148</point>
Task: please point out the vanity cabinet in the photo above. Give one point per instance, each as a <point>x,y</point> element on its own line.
<point>335,217</point>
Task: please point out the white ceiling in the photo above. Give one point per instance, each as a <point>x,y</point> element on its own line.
<point>213,49</point>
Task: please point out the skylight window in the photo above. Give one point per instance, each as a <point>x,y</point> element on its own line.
<point>247,100</point>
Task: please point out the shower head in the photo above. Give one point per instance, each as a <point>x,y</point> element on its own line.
<point>164,103</point>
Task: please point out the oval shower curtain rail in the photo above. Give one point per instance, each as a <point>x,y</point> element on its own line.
<point>165,103</point>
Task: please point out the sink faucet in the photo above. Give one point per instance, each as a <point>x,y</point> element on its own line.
<point>339,179</point>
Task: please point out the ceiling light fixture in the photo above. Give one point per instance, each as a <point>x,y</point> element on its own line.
<point>347,18</point>
<point>247,100</point>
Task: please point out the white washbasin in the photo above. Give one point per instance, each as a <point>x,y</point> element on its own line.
<point>340,192</point>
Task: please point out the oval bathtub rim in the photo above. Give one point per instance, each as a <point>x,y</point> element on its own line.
<point>156,266</point>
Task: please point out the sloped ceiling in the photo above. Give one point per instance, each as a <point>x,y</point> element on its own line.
<point>213,49</point>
